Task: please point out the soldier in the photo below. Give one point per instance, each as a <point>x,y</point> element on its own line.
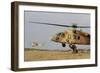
<point>74,48</point>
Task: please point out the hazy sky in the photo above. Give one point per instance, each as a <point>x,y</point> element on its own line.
<point>41,33</point>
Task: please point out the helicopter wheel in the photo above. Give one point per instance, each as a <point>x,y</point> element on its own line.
<point>63,45</point>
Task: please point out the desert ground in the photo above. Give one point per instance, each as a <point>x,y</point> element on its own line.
<point>39,55</point>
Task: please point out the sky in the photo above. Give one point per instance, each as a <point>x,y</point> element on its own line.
<point>42,34</point>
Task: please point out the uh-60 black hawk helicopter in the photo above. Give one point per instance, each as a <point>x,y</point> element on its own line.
<point>71,37</point>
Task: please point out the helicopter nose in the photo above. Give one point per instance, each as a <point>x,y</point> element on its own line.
<point>53,38</point>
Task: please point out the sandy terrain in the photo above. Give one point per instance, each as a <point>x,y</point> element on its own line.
<point>37,55</point>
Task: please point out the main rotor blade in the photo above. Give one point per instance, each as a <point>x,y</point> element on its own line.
<point>51,24</point>
<point>61,25</point>
<point>83,26</point>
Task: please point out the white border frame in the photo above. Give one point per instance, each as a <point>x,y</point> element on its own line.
<point>34,64</point>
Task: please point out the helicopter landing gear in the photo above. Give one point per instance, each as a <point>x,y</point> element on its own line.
<point>74,48</point>
<point>63,45</point>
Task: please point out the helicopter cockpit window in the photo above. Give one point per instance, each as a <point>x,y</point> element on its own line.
<point>61,34</point>
<point>57,38</point>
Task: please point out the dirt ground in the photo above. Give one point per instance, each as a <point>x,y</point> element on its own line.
<point>39,55</point>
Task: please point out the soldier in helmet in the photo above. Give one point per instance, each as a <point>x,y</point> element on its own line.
<point>74,48</point>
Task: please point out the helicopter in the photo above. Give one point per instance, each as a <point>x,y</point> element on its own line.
<point>71,37</point>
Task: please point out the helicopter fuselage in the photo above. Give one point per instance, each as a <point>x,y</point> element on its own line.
<point>72,37</point>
